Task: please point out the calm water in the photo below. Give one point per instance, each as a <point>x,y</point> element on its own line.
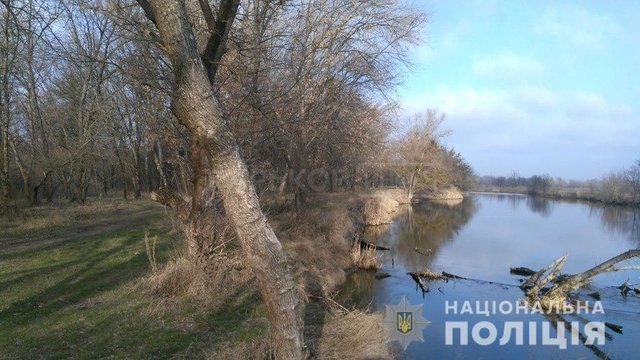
<point>481,238</point>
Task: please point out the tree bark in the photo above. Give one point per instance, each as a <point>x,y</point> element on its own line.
<point>580,279</point>
<point>159,160</point>
<point>196,107</point>
<point>283,182</point>
<point>5,116</point>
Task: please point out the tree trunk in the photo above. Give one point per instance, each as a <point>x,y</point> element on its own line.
<point>195,239</point>
<point>5,115</point>
<point>197,108</point>
<point>158,159</point>
<point>582,278</point>
<point>136,179</point>
<point>283,181</point>
<point>411,185</point>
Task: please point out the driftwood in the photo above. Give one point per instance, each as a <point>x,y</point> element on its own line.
<point>624,288</point>
<point>425,252</point>
<point>368,245</point>
<point>423,278</point>
<point>537,281</point>
<point>383,275</point>
<point>564,284</point>
<point>453,276</point>
<point>615,327</point>
<point>419,281</point>
<point>595,295</point>
<point>521,271</point>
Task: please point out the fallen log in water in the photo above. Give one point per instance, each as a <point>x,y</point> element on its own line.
<point>423,278</point>
<point>537,281</point>
<point>421,283</point>
<point>425,252</point>
<point>521,271</point>
<point>624,288</point>
<point>453,276</point>
<point>368,245</point>
<point>615,327</point>
<point>595,295</point>
<point>562,285</point>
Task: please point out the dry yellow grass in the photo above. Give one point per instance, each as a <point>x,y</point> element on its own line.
<point>210,288</point>
<point>448,193</point>
<point>319,245</point>
<point>379,210</point>
<point>364,258</point>
<point>257,349</point>
<point>354,335</point>
<point>399,195</point>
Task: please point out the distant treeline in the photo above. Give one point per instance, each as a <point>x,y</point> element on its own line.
<point>619,187</point>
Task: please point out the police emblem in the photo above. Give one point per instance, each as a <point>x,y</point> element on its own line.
<point>405,322</point>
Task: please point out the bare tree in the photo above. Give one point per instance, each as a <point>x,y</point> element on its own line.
<point>196,107</point>
<point>417,156</point>
<point>9,50</point>
<point>633,178</point>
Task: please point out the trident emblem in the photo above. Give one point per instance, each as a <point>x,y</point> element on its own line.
<point>405,321</point>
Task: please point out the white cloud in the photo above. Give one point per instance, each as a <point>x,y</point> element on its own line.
<point>439,45</point>
<point>577,26</point>
<point>556,128</point>
<point>536,98</point>
<point>588,105</point>
<point>508,66</point>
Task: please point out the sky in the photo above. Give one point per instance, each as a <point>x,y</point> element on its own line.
<point>532,86</point>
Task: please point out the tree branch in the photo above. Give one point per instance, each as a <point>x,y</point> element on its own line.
<point>172,200</point>
<point>148,11</point>
<point>215,47</point>
<point>208,15</point>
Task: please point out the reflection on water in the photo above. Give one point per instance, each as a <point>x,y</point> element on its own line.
<point>482,237</point>
<point>620,219</point>
<point>514,200</point>
<point>426,226</point>
<point>540,205</point>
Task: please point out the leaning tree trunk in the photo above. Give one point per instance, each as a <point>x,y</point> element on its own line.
<point>196,107</point>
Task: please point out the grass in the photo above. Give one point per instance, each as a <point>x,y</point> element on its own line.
<point>107,280</point>
<point>70,288</point>
<point>365,259</point>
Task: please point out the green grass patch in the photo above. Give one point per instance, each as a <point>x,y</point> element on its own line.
<point>70,288</point>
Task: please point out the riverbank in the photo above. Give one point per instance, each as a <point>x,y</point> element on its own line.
<point>572,194</point>
<point>108,279</point>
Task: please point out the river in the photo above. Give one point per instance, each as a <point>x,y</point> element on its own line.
<point>480,239</point>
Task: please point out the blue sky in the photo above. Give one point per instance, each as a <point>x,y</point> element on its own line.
<point>532,86</point>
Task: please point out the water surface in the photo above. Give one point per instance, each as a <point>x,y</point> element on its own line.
<point>481,238</point>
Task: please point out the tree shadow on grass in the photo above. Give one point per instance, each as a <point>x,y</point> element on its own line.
<point>55,238</point>
<point>92,278</point>
<point>315,312</point>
